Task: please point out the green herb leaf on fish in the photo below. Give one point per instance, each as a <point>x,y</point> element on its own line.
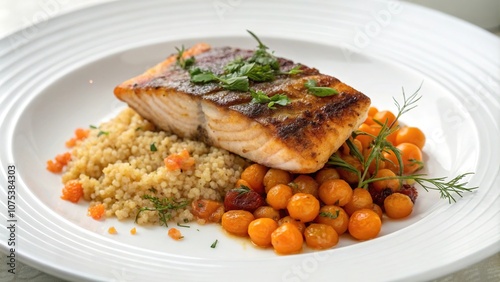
<point>260,97</point>
<point>319,91</point>
<point>184,63</point>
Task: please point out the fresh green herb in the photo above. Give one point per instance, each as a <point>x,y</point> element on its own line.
<point>163,206</point>
<point>214,244</point>
<point>337,161</point>
<point>261,56</point>
<point>256,72</point>
<point>242,190</point>
<point>152,147</point>
<point>234,66</point>
<point>261,47</point>
<point>260,97</point>
<point>418,163</point>
<point>311,85</point>
<point>445,188</point>
<point>261,66</point>
<point>236,83</point>
<point>380,145</point>
<point>183,62</point>
<point>330,215</point>
<point>102,133</point>
<point>408,103</point>
<point>185,226</point>
<point>293,185</point>
<point>293,71</point>
<point>202,76</point>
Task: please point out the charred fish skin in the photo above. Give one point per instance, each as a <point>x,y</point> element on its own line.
<point>298,137</point>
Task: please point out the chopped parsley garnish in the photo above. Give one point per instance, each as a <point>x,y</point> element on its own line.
<point>260,97</point>
<point>214,244</point>
<point>202,76</point>
<point>152,147</point>
<point>101,132</point>
<point>293,71</point>
<point>183,62</point>
<point>236,83</point>
<point>311,85</point>
<point>256,72</point>
<point>330,215</point>
<point>261,56</point>
<point>260,67</point>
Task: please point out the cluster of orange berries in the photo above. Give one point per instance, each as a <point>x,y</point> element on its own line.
<point>408,140</point>
<point>277,209</point>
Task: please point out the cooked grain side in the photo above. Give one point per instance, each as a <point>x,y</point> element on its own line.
<point>117,167</point>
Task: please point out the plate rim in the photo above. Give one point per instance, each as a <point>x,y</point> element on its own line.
<point>88,10</point>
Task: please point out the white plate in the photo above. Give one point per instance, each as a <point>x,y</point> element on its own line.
<point>61,77</point>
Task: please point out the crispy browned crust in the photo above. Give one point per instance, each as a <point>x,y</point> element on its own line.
<point>312,127</point>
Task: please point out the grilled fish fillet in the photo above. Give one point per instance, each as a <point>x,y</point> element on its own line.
<point>299,137</point>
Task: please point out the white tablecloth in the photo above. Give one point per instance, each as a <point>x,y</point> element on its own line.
<point>16,14</point>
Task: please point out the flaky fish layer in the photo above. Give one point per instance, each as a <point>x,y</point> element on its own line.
<point>299,137</point>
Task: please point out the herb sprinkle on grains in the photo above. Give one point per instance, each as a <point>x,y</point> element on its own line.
<point>125,171</point>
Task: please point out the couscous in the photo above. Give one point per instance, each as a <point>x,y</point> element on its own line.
<point>123,160</point>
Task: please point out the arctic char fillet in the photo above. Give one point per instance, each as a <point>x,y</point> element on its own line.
<point>299,137</point>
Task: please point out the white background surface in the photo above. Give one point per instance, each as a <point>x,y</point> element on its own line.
<point>19,14</point>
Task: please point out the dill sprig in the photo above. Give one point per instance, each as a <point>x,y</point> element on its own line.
<point>445,188</point>
<point>164,207</point>
<point>408,103</point>
<point>242,190</point>
<point>380,145</point>
<point>337,161</point>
